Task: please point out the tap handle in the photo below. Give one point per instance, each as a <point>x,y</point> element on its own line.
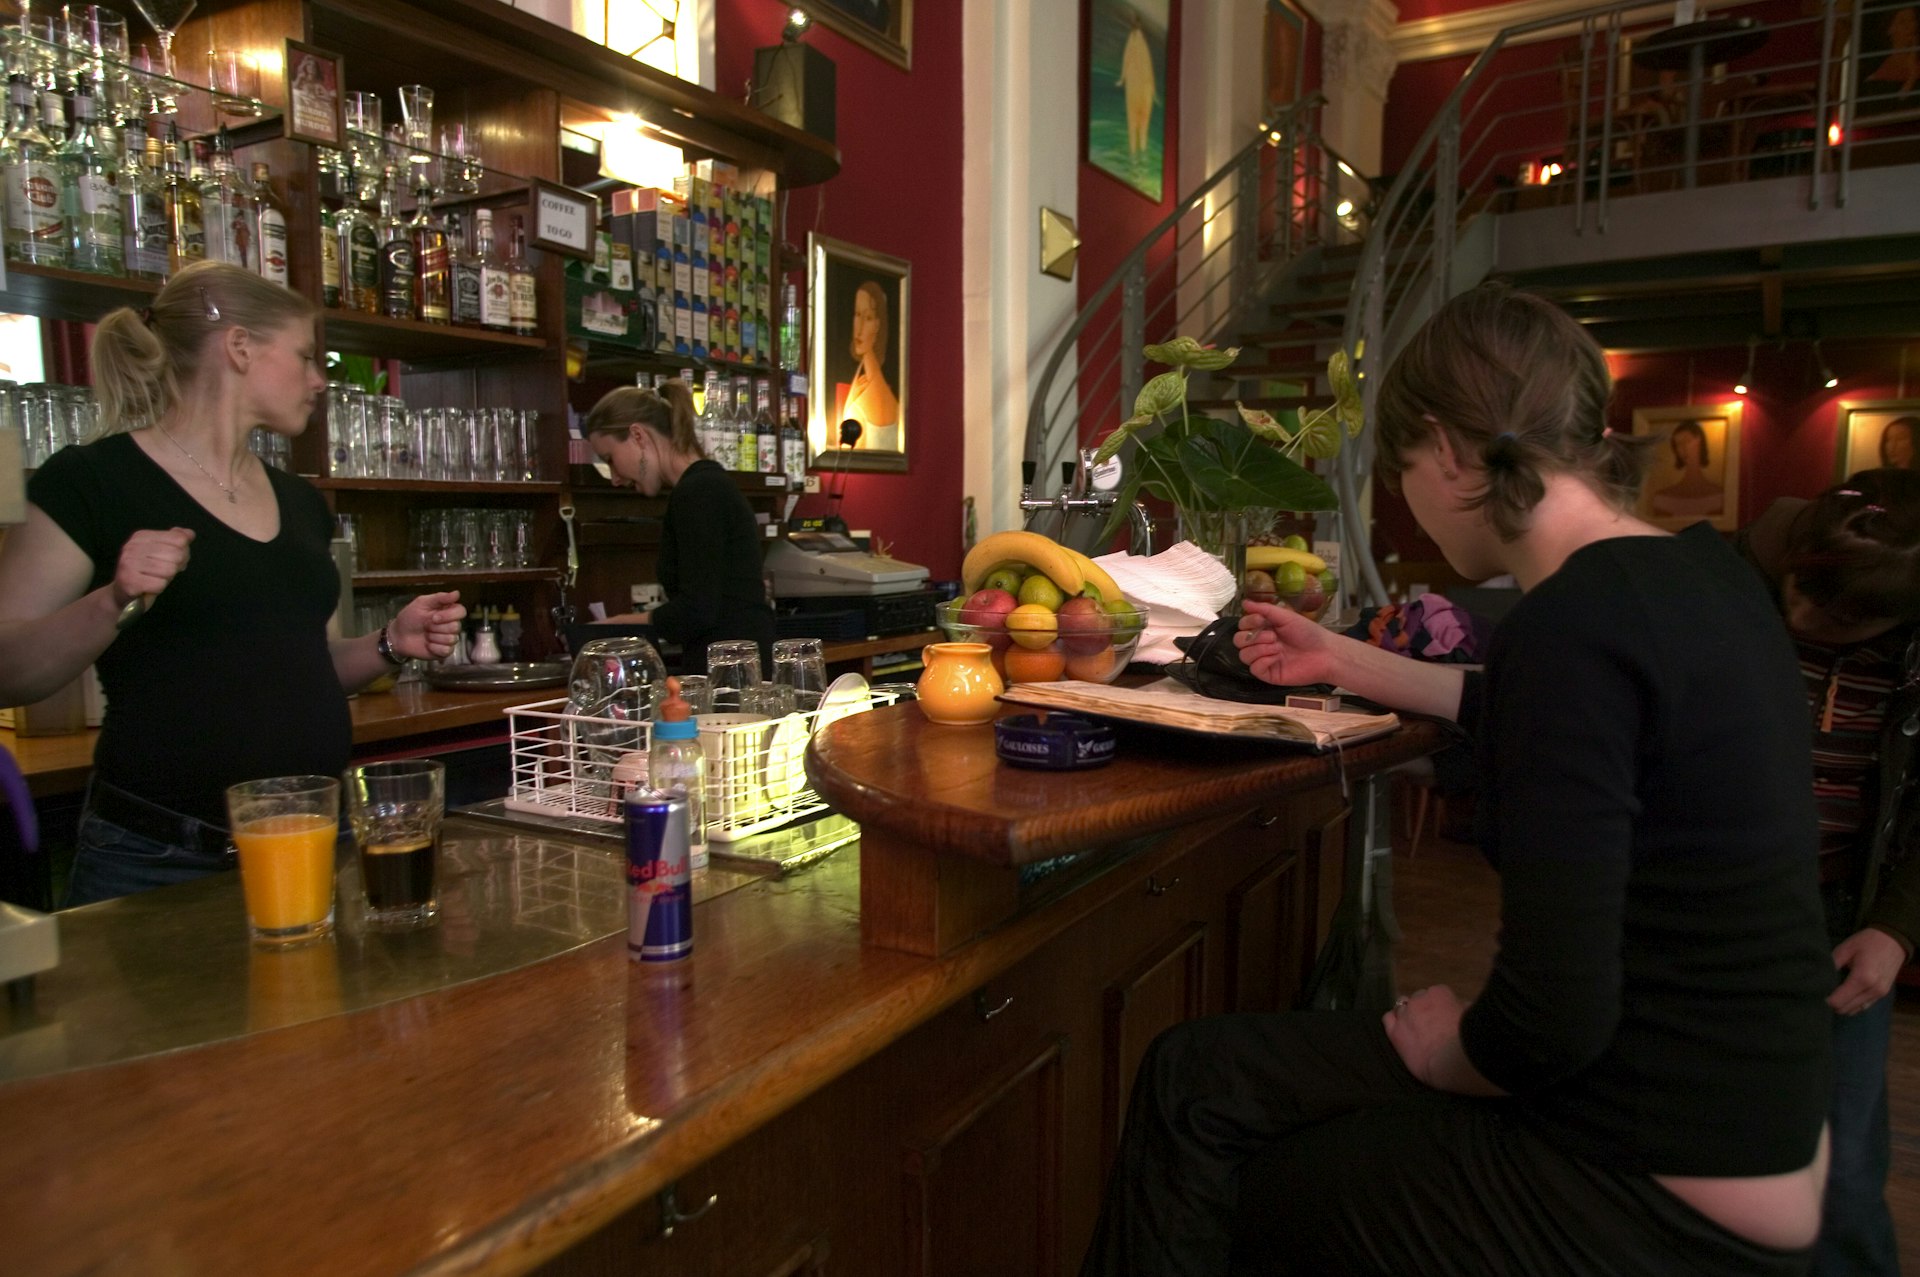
<point>1027,468</point>
<point>1069,474</point>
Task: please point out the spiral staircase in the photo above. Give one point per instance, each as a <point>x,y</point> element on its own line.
<point>1752,229</point>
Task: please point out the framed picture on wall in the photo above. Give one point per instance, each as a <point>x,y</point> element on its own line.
<point>858,305</point>
<point>314,100</point>
<point>1694,472</point>
<point>1876,435</point>
<point>1126,91</point>
<point>885,26</point>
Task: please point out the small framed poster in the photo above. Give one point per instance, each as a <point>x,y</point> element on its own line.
<point>1876,436</point>
<point>564,220</point>
<point>1693,474</point>
<point>314,96</point>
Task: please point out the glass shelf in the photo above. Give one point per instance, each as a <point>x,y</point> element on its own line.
<point>61,66</point>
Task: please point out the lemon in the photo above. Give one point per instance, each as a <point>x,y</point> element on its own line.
<point>1032,625</point>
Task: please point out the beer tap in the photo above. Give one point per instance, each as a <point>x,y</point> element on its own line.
<point>1086,490</point>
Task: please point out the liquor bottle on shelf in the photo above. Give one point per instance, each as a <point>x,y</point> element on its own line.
<point>227,206</point>
<point>432,265</point>
<point>790,330</point>
<point>269,227</point>
<point>793,453</point>
<point>523,296</point>
<point>94,228</point>
<point>145,246</point>
<point>36,230</point>
<point>185,218</point>
<point>496,300</point>
<point>767,428</point>
<point>466,275</point>
<point>745,430</point>
<point>359,256</point>
<point>396,260</point>
<point>332,277</point>
<point>716,427</point>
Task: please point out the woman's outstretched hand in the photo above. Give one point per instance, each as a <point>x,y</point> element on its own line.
<point>428,627</point>
<point>1283,647</point>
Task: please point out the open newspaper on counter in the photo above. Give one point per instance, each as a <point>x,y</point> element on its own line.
<point>1169,703</point>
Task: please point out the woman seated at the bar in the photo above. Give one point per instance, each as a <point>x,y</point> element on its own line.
<point>199,580</point>
<point>1641,1084</point>
<point>710,546</point>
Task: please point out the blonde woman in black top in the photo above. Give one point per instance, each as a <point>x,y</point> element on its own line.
<point>199,580</point>
<point>1640,1086</point>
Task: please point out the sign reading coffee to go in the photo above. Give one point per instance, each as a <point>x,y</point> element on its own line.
<point>564,219</point>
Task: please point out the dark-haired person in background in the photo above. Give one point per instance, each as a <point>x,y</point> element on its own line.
<point>1896,443</point>
<point>1846,570</point>
<point>710,546</point>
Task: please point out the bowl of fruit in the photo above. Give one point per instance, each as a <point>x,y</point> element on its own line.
<point>1047,611</point>
<point>1288,574</point>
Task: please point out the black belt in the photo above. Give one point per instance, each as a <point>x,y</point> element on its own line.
<point>151,820</point>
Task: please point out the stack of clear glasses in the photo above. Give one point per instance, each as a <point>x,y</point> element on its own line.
<point>471,540</point>
<point>379,437</point>
<point>49,417</point>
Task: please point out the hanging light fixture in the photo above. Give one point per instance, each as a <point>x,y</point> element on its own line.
<point>1827,379</point>
<point>1745,383</point>
<point>797,23</point>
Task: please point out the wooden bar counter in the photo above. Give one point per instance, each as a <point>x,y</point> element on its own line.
<point>850,1105</point>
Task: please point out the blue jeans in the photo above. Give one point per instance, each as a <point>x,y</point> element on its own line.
<point>1856,1229</point>
<point>111,860</point>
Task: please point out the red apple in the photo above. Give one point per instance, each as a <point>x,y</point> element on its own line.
<point>986,610</point>
<point>1084,625</point>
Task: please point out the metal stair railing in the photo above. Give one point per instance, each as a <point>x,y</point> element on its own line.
<point>1425,242</point>
<point>1207,264</point>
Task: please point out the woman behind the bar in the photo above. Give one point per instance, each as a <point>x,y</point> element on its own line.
<point>1846,567</point>
<point>710,546</point>
<point>1641,1084</point>
<point>198,579</point>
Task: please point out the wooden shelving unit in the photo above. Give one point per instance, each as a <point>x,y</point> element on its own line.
<point>413,342</point>
<point>404,577</point>
<point>435,487</point>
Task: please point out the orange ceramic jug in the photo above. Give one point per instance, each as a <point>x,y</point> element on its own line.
<point>959,684</point>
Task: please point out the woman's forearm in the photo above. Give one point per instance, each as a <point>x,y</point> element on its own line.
<point>357,661</point>
<point>1420,687</point>
<point>39,657</point>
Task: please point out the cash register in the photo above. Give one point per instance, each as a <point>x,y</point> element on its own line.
<point>823,564</point>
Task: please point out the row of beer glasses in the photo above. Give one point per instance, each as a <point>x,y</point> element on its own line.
<point>48,416</point>
<point>466,538</point>
<point>379,437</point>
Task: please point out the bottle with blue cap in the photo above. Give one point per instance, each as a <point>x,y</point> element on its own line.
<point>676,763</point>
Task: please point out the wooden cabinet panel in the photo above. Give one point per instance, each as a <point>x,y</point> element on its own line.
<point>1167,986</point>
<point>983,1183</point>
<point>1264,918</point>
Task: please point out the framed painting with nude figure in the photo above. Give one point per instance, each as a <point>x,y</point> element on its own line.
<point>1694,474</point>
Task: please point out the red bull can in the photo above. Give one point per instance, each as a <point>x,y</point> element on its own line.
<point>659,877</point>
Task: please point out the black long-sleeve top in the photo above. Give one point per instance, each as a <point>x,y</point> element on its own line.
<point>1657,1002</point>
<point>710,567</point>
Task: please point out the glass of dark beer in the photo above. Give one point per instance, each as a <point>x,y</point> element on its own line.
<point>395,810</point>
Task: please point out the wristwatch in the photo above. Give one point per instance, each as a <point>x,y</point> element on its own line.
<point>385,648</point>
<point>135,609</point>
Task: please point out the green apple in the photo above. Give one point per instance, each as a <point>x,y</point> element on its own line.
<point>1295,542</point>
<point>1040,589</point>
<point>1289,579</point>
<point>1007,578</point>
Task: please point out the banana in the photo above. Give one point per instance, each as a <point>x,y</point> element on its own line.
<point>1097,578</point>
<point>1268,557</point>
<point>1043,554</point>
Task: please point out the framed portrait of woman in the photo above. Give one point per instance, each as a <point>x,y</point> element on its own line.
<point>1879,435</point>
<point>1693,473</point>
<point>857,301</point>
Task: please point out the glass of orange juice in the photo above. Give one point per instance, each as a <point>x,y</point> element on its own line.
<point>285,829</point>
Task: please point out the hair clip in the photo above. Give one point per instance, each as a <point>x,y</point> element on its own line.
<point>206,300</point>
<point>1429,418</point>
<point>1608,432</point>
<point>1506,436</point>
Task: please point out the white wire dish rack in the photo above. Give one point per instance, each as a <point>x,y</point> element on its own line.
<point>572,765</point>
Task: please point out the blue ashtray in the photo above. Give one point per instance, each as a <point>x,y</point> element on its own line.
<point>1055,742</point>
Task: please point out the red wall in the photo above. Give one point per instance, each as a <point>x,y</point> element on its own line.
<point>898,192</point>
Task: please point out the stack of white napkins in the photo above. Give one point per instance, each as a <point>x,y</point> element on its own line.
<point>1181,589</point>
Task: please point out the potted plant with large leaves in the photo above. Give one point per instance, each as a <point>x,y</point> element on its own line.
<point>1228,480</point>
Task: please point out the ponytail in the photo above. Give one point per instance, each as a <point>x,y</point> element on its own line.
<point>667,412</point>
<point>141,358</point>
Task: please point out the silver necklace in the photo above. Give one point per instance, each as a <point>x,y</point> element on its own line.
<point>233,498</point>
